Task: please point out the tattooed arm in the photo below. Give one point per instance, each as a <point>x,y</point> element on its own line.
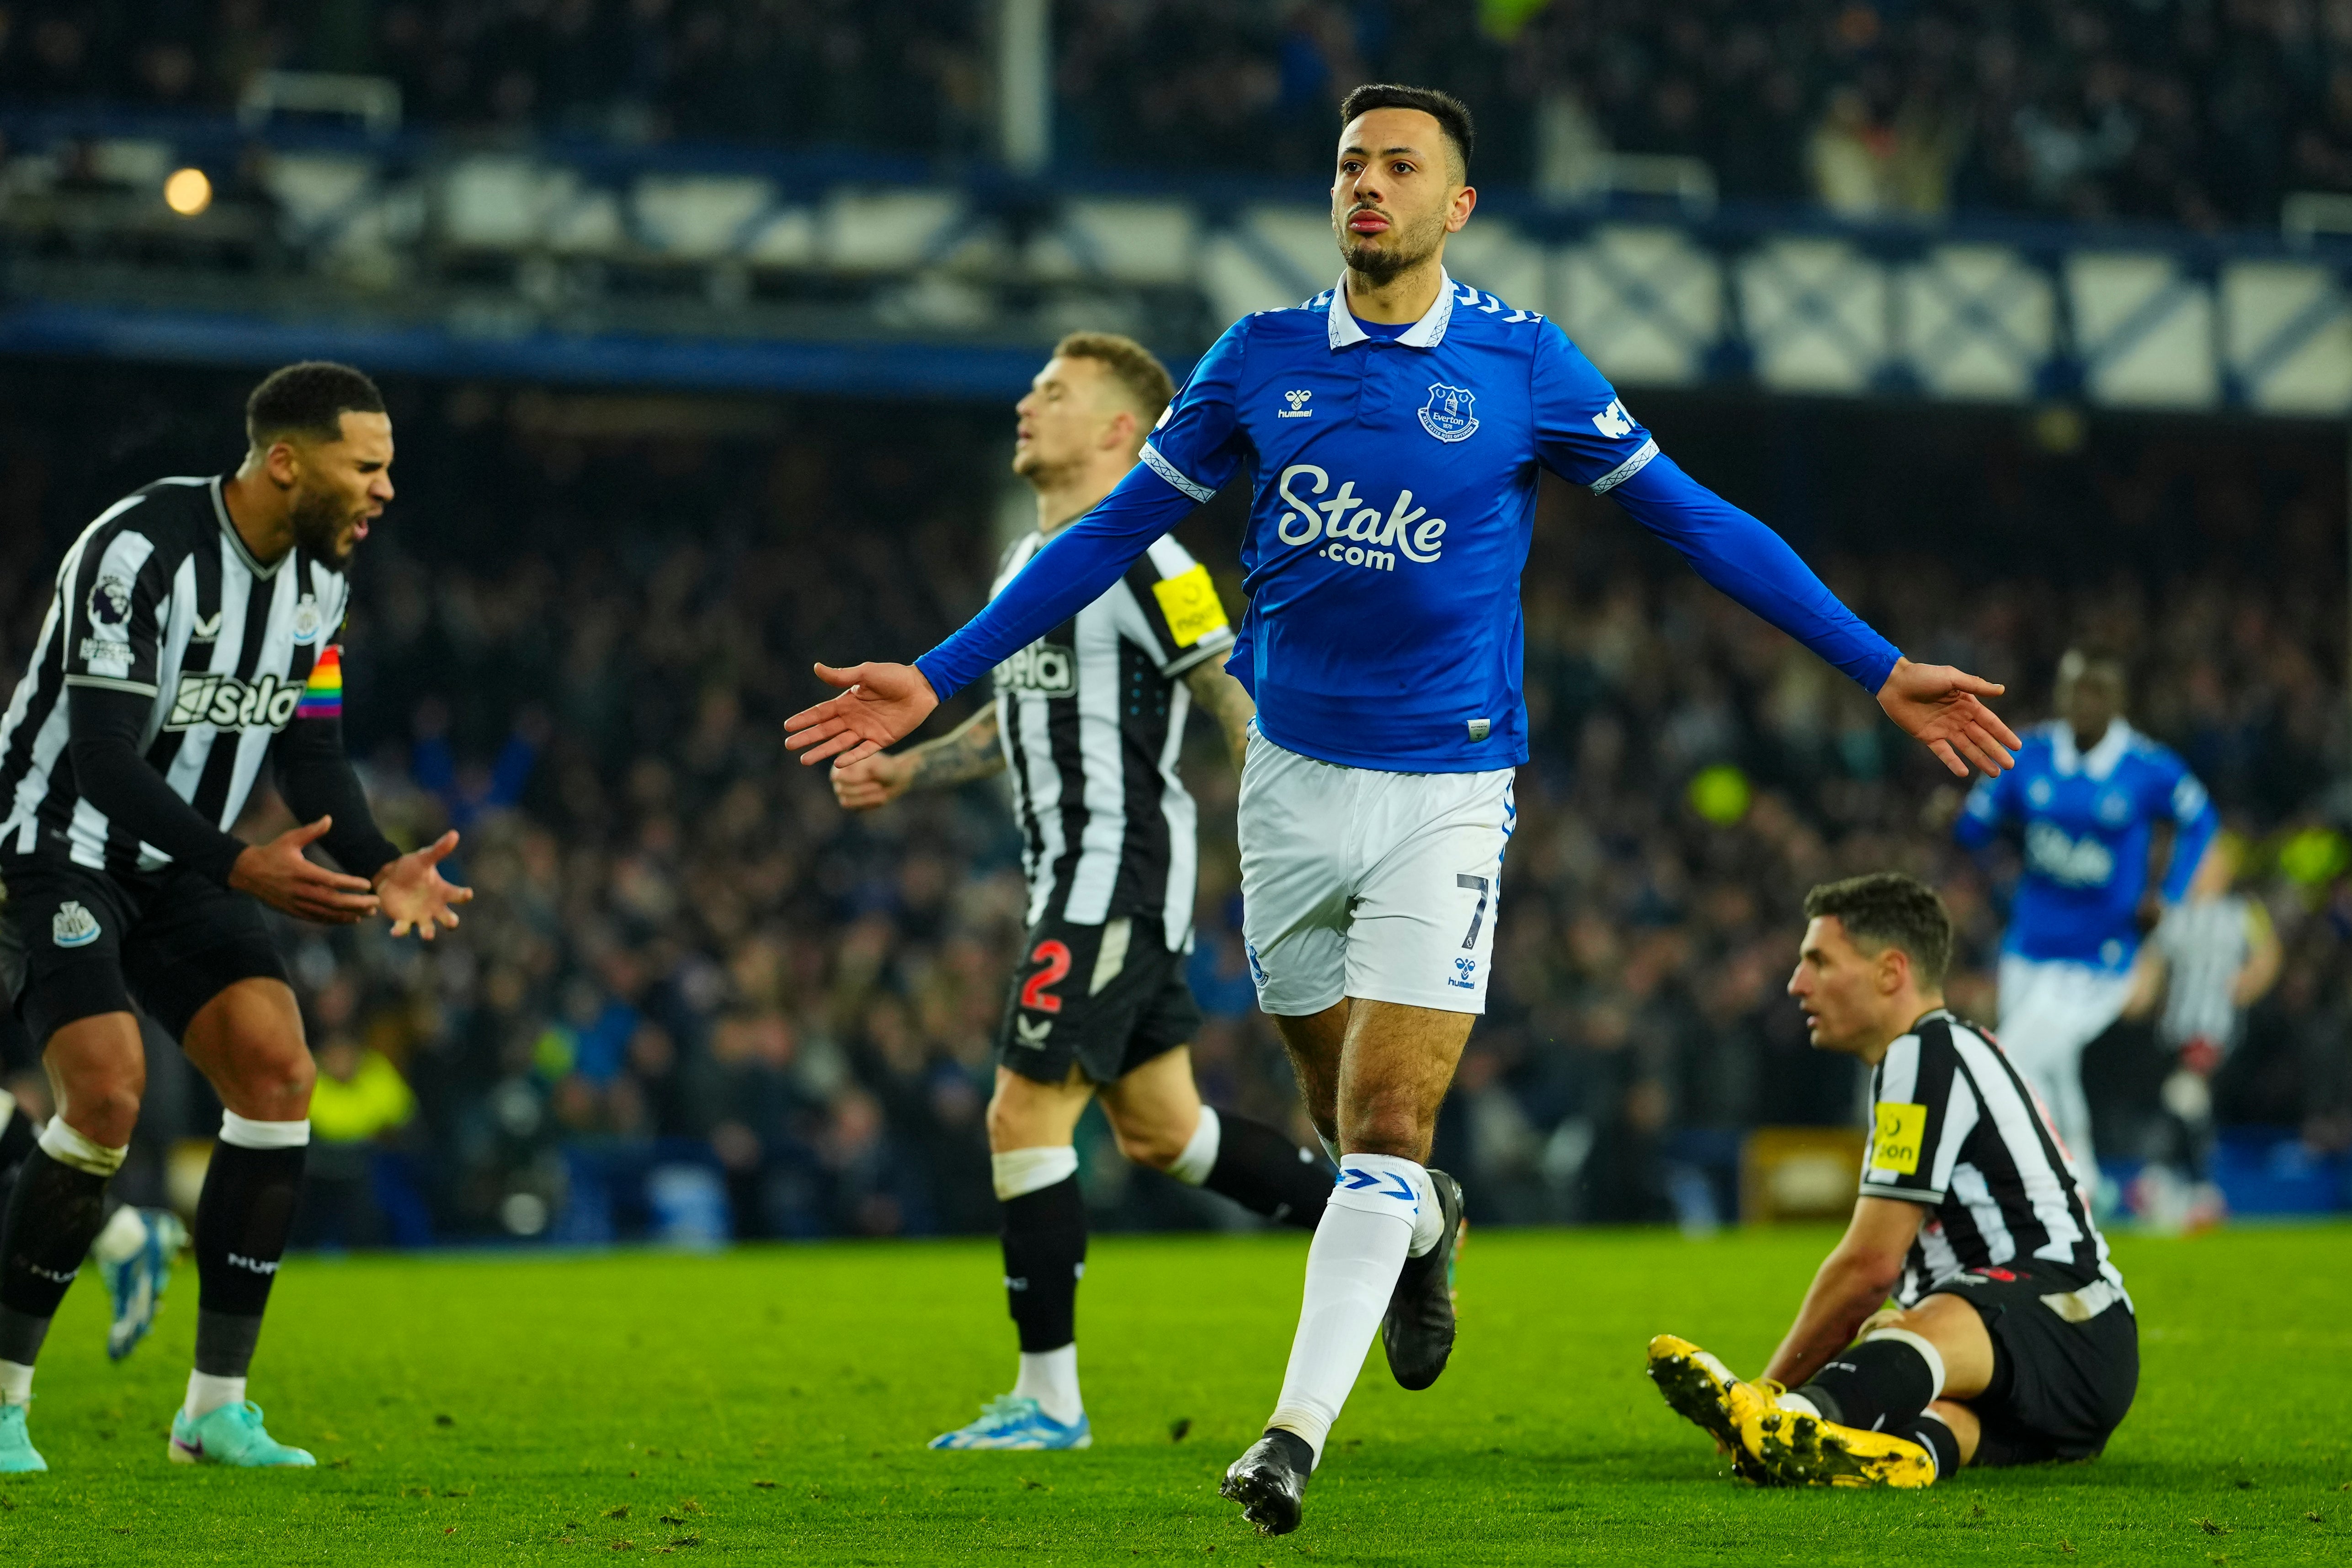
<point>969,752</point>
<point>1221,698</point>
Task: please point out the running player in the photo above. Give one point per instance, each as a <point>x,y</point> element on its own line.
<point>1090,719</point>
<point>2210,958</point>
<point>192,638</point>
<point>2012,1340</point>
<point>2088,792</point>
<point>1394,427</point>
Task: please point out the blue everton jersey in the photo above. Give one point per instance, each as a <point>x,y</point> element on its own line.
<point>1392,476</point>
<point>1394,495</point>
<point>2086,819</point>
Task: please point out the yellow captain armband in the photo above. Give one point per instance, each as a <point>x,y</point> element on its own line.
<point>1895,1146</point>
<point>1189,599</point>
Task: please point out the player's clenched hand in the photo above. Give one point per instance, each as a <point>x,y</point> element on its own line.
<point>282,877</point>
<point>1944,708</point>
<point>416,895</point>
<point>879,703</point>
<point>875,781</point>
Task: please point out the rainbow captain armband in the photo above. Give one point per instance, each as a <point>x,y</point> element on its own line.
<point>323,693</point>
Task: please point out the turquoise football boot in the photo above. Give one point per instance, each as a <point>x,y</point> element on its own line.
<point>1015,1422</point>
<point>232,1435</point>
<point>137,1282</point>
<point>17,1454</point>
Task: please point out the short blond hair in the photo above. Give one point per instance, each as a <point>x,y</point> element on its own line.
<point>1136,368</point>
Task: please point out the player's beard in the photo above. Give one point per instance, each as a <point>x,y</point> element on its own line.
<point>318,522</point>
<point>1042,475</point>
<point>1382,264</point>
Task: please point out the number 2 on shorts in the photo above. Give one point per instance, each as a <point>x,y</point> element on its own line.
<point>1054,960</point>
<point>1478,915</point>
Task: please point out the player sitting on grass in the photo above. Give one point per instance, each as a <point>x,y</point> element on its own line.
<point>2012,1340</point>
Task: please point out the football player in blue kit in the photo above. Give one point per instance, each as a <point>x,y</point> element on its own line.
<point>2087,794</point>
<point>1395,429</point>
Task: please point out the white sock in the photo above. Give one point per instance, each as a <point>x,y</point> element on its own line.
<point>1199,1156</point>
<point>1798,1404</point>
<point>207,1394</point>
<point>15,1383</point>
<point>1352,1270</point>
<point>1050,1378</point>
<point>68,1147</point>
<point>1019,1172</point>
<point>124,1235</point>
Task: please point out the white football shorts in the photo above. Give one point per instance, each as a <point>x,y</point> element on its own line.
<point>1357,882</point>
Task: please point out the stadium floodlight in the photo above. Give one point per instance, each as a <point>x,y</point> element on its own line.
<point>188,192</point>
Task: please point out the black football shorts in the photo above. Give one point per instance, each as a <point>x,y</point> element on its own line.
<point>2066,1361</point>
<point>90,942</point>
<point>1108,997</point>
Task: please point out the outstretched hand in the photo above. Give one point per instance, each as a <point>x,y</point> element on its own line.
<point>1943,707</point>
<point>414,893</point>
<point>879,703</point>
<point>280,876</point>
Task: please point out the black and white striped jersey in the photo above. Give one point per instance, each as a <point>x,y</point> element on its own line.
<point>1091,716</point>
<point>1957,1130</point>
<point>160,598</point>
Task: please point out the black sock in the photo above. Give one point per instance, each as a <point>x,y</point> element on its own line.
<point>1930,1433</point>
<point>1876,1385</point>
<point>1044,1253</point>
<point>242,1222</point>
<point>17,1141</point>
<point>1264,1171</point>
<point>54,1215</point>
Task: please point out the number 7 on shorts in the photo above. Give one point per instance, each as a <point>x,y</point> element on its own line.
<point>1478,915</point>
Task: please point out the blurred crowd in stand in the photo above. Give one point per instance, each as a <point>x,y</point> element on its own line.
<point>693,998</point>
<point>2203,112</point>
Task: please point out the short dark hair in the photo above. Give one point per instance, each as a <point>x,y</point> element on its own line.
<point>308,399</point>
<point>1135,368</point>
<point>1888,909</point>
<point>1453,116</point>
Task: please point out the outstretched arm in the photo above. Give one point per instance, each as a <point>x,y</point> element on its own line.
<point>1223,698</point>
<point>881,702</point>
<point>1940,706</point>
<point>970,751</point>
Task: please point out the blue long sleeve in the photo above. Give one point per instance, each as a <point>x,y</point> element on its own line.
<point>1071,573</point>
<point>1753,566</point>
<point>2190,841</point>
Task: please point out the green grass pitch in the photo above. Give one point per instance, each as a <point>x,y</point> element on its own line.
<point>770,1405</point>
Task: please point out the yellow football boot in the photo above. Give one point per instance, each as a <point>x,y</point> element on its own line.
<point>1791,1449</point>
<point>1693,1381</point>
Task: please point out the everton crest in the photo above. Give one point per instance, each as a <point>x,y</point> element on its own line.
<point>1448,415</point>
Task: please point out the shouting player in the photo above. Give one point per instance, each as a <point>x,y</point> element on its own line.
<point>192,640</point>
<point>1394,427</point>
<point>1090,719</point>
<point>2011,1341</point>
<point>2089,792</point>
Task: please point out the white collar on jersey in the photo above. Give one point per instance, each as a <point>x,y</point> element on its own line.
<point>236,540</point>
<point>2097,762</point>
<point>1425,333</point>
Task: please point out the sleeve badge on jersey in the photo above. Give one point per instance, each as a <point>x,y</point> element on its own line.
<point>1447,416</point>
<point>323,693</point>
<point>1613,422</point>
<point>1895,1146</point>
<point>1189,599</point>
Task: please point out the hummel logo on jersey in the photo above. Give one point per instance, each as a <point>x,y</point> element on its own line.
<point>1464,971</point>
<point>1613,422</point>
<point>72,925</point>
<point>1045,667</point>
<point>1359,534</point>
<point>227,703</point>
<point>1299,409</point>
<point>1448,415</point>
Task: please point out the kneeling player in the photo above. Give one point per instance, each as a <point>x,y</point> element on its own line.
<point>2012,1340</point>
<point>1090,719</point>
